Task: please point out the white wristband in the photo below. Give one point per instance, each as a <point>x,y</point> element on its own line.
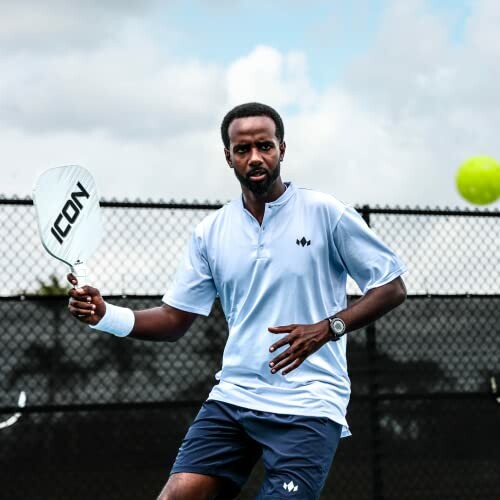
<point>117,320</point>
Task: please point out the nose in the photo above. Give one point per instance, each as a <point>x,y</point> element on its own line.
<point>255,158</point>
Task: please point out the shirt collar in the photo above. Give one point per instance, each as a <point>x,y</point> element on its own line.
<point>284,198</point>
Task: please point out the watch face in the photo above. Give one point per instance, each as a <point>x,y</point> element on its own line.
<point>338,326</point>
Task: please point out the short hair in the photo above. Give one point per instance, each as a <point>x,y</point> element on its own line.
<point>251,109</point>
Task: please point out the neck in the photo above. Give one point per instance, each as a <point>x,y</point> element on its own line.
<point>256,204</point>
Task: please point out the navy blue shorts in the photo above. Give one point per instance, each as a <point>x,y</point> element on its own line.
<point>226,441</point>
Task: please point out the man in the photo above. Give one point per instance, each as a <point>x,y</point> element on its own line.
<point>278,257</point>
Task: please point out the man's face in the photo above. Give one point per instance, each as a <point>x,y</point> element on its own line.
<point>255,153</point>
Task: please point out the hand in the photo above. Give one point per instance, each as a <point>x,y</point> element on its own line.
<point>303,341</point>
<point>85,303</point>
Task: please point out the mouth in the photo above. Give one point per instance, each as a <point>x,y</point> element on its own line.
<point>257,175</point>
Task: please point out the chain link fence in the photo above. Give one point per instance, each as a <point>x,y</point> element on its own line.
<point>105,416</point>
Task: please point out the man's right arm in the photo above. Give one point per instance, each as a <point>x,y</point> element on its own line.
<point>164,323</point>
<point>161,323</point>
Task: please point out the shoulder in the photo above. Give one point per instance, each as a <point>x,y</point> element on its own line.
<point>321,198</point>
<point>213,221</point>
<point>323,204</point>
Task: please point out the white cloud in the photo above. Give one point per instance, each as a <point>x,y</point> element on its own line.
<point>129,88</point>
<point>482,28</point>
<point>268,75</point>
<point>392,131</point>
<point>60,25</point>
<point>431,104</point>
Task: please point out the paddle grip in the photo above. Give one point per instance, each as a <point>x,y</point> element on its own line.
<point>80,271</point>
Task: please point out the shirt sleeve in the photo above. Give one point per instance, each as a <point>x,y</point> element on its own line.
<point>368,261</point>
<point>193,289</point>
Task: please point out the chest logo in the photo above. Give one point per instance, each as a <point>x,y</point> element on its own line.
<point>303,242</point>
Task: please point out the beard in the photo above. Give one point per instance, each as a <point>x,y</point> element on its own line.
<point>260,188</point>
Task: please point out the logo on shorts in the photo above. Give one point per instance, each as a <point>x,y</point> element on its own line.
<point>290,487</point>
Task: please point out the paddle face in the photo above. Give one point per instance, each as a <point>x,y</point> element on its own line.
<point>67,208</point>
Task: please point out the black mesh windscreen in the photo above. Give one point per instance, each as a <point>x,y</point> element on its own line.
<point>105,416</point>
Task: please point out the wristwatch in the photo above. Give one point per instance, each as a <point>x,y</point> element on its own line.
<point>337,327</point>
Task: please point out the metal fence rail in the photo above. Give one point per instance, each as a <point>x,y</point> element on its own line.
<point>105,416</point>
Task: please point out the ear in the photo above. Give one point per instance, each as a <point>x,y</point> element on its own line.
<point>227,154</point>
<point>282,150</point>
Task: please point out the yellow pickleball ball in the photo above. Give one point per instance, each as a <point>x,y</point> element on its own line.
<point>478,180</point>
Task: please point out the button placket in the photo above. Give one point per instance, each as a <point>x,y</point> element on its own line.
<point>260,244</point>
<point>265,221</point>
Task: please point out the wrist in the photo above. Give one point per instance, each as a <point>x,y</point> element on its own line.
<point>118,321</point>
<point>325,325</point>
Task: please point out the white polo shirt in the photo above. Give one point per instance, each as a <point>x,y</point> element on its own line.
<point>291,269</point>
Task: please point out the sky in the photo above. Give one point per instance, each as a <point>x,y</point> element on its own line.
<point>382,99</point>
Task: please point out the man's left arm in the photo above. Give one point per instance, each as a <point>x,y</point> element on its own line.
<point>303,340</point>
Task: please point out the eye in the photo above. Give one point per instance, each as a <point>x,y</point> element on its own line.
<point>266,146</point>
<point>240,149</point>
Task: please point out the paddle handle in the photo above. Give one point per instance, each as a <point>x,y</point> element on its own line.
<point>81,272</point>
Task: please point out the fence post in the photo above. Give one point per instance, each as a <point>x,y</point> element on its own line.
<point>373,389</point>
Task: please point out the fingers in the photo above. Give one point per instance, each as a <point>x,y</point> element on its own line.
<point>288,360</point>
<point>80,312</point>
<point>85,303</point>
<point>281,342</point>
<point>282,329</point>
<point>301,340</point>
<point>294,365</point>
<point>285,358</point>
<point>82,304</point>
<point>83,292</point>
<point>80,308</point>
<point>71,279</point>
<point>280,361</point>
